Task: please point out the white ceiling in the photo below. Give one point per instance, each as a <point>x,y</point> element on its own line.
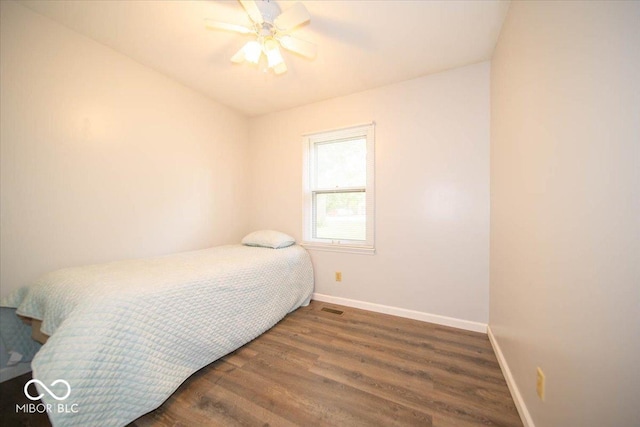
<point>361,44</point>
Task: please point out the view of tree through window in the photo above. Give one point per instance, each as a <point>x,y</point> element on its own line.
<point>340,198</point>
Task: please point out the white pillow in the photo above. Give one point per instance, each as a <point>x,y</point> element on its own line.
<point>268,239</point>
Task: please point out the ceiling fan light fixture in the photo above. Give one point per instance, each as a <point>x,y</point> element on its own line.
<point>270,44</point>
<point>252,51</point>
<point>280,68</point>
<point>272,51</point>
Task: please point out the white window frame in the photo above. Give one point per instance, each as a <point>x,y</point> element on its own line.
<point>309,143</point>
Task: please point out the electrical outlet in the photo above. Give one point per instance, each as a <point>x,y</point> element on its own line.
<point>338,276</point>
<point>540,383</point>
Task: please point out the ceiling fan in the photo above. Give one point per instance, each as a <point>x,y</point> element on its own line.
<point>271,29</point>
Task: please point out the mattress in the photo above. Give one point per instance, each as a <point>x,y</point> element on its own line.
<point>124,335</point>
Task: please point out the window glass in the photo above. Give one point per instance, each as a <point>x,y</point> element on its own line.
<point>341,164</point>
<point>340,216</point>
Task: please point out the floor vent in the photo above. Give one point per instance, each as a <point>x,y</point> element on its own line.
<point>332,311</point>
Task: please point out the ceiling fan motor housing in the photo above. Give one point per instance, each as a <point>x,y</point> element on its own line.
<point>269,10</point>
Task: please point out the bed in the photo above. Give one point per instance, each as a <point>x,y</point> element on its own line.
<point>125,335</point>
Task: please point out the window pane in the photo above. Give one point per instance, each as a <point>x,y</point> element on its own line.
<point>341,164</point>
<point>340,216</point>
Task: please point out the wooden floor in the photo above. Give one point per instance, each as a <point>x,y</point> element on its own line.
<point>317,368</point>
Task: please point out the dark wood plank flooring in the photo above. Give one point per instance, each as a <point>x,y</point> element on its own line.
<point>316,368</point>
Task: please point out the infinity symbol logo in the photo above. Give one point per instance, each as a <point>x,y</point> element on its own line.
<point>52,394</point>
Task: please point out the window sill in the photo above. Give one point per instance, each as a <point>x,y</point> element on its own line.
<point>362,250</point>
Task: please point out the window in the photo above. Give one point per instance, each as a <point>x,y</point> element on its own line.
<point>338,190</point>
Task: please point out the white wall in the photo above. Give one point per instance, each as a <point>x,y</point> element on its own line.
<point>565,208</point>
<point>103,158</point>
<point>432,191</point>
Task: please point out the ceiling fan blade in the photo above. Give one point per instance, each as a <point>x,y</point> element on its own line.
<point>299,46</point>
<point>215,25</point>
<point>292,17</point>
<point>250,52</point>
<point>252,10</point>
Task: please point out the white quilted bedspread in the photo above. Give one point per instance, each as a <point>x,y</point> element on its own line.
<point>125,335</point>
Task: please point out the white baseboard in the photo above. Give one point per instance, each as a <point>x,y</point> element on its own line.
<point>525,416</point>
<point>14,371</point>
<point>403,312</point>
